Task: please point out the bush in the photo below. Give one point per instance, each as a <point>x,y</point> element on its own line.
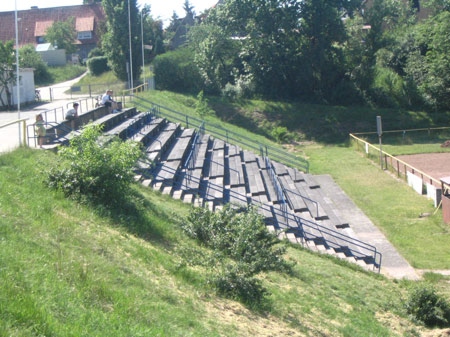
<point>95,172</point>
<point>234,282</point>
<point>95,52</point>
<point>243,247</point>
<point>280,134</point>
<point>427,307</point>
<point>98,65</point>
<point>176,71</point>
<point>201,107</point>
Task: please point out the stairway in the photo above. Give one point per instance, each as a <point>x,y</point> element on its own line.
<point>292,202</point>
<point>207,171</point>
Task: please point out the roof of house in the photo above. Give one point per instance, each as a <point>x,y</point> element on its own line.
<point>33,23</point>
<point>44,47</point>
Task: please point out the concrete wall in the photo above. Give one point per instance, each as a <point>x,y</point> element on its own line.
<point>54,57</point>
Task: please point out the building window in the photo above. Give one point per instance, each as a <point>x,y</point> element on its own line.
<point>84,35</point>
<point>40,39</point>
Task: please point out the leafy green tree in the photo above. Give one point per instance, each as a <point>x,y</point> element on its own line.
<point>377,44</point>
<point>428,66</point>
<point>216,56</point>
<point>62,35</point>
<point>116,40</point>
<point>323,34</point>
<point>242,248</point>
<point>30,58</point>
<point>153,34</point>
<point>438,6</point>
<point>286,49</point>
<point>7,71</point>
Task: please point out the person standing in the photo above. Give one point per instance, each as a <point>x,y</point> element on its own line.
<point>40,130</point>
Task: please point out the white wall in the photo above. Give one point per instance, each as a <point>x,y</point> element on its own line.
<point>26,87</point>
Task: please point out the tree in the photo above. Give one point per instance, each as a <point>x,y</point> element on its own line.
<point>116,41</point>
<point>216,56</point>
<point>153,34</point>
<point>285,48</point>
<point>7,71</point>
<point>376,49</point>
<point>323,34</point>
<point>62,35</point>
<point>428,64</point>
<point>30,58</point>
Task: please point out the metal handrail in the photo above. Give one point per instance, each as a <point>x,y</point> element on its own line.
<point>277,185</point>
<point>23,121</point>
<point>219,132</point>
<point>359,249</point>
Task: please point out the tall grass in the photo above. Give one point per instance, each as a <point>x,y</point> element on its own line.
<point>71,270</point>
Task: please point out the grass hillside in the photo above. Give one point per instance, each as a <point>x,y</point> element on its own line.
<point>68,269</point>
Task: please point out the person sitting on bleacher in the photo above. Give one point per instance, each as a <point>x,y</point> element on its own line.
<point>108,101</point>
<point>71,114</point>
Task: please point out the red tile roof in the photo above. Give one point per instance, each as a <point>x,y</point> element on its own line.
<point>85,24</point>
<point>33,22</point>
<point>41,27</point>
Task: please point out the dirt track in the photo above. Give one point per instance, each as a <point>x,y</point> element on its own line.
<point>436,165</point>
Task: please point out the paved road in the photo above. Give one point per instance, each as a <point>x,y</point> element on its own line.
<point>11,136</point>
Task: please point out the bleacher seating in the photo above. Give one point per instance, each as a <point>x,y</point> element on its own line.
<point>210,172</point>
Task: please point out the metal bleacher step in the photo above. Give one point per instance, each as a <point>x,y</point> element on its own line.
<point>254,179</point>
<point>160,143</point>
<point>149,130</point>
<point>236,175</point>
<point>221,173</point>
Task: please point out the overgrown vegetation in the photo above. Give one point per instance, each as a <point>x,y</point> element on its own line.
<point>79,273</point>
<point>95,169</point>
<point>428,307</point>
<point>241,248</point>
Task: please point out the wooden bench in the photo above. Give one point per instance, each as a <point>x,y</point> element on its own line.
<point>254,179</point>
<point>217,163</point>
<point>293,197</point>
<point>149,130</point>
<point>123,129</point>
<point>248,156</point>
<point>202,150</point>
<point>166,172</point>
<point>162,141</point>
<point>238,195</point>
<point>233,150</point>
<point>236,171</point>
<point>109,121</point>
<point>271,191</point>
<point>179,149</point>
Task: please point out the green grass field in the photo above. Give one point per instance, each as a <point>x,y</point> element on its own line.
<point>71,270</point>
<point>68,269</point>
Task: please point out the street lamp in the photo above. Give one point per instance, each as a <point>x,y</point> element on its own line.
<point>17,68</point>
<point>129,39</point>
<point>142,42</point>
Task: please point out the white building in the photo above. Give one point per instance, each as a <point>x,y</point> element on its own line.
<point>26,87</point>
